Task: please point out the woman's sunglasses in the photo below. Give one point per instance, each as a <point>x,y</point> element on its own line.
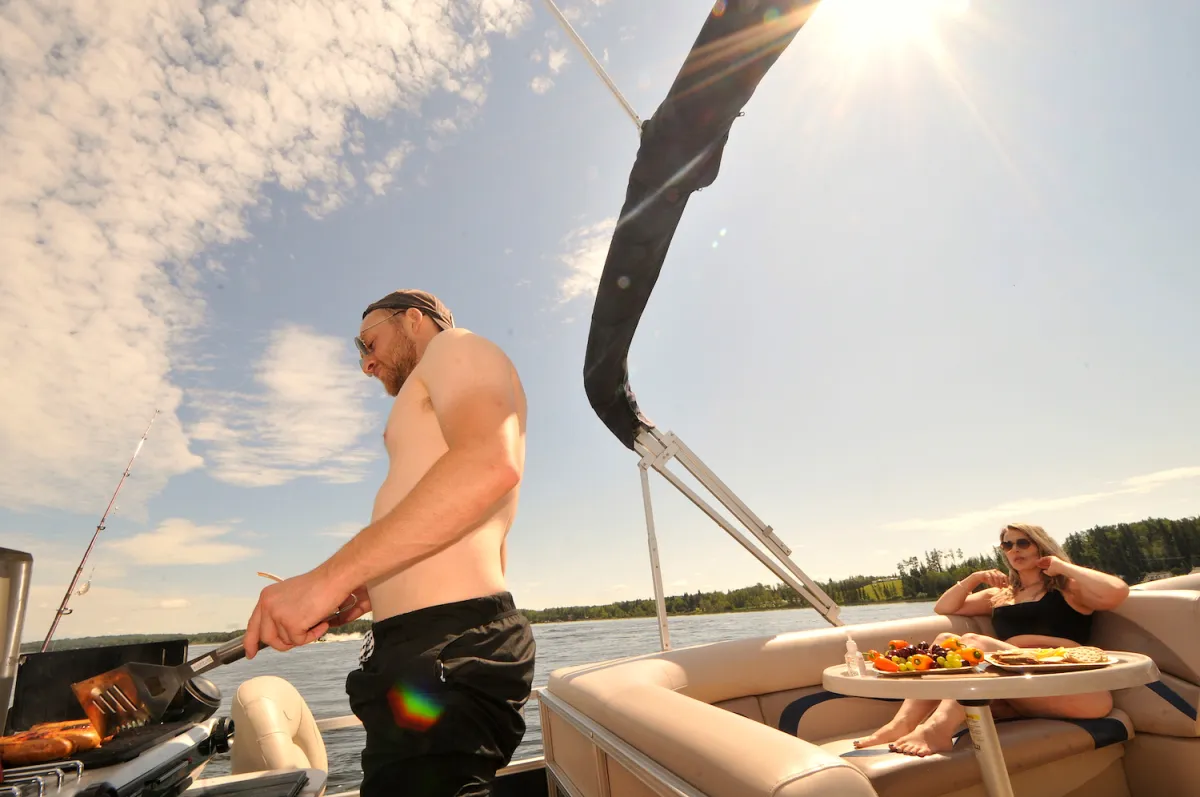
<point>1022,543</point>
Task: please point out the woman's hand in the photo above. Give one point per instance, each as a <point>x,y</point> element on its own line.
<point>1053,566</point>
<point>993,578</point>
<point>1095,590</point>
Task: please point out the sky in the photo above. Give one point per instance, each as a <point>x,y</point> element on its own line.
<point>946,280</point>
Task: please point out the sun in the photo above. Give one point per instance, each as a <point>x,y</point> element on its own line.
<point>869,25</point>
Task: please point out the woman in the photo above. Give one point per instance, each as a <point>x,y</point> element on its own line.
<point>1044,601</point>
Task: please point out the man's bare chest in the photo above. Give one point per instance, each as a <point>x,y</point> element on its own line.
<point>412,428</point>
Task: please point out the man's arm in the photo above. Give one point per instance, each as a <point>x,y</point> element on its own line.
<point>471,389</point>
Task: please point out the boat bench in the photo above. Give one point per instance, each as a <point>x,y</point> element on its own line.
<point>748,717</point>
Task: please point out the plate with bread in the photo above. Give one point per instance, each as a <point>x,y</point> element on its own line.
<point>1029,660</point>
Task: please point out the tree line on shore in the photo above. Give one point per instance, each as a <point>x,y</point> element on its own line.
<point>1132,551</point>
<point>1154,547</point>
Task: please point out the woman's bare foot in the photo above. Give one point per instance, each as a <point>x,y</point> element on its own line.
<point>926,740</point>
<point>896,729</point>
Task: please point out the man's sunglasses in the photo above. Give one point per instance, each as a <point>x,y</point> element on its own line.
<point>363,351</point>
<point>1022,543</point>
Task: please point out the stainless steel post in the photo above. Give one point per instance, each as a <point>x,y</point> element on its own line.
<point>664,633</point>
<point>16,568</point>
<point>987,748</point>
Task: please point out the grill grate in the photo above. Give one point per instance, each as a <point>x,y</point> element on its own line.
<point>40,780</point>
<point>127,745</point>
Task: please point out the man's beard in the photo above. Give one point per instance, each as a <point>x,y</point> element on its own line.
<point>404,359</point>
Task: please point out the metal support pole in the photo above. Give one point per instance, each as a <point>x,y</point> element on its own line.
<point>987,748</point>
<point>658,449</point>
<point>591,59</point>
<point>664,633</point>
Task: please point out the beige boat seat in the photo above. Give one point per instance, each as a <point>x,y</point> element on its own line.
<point>273,728</point>
<point>1162,620</point>
<point>1061,755</point>
<point>749,718</point>
<point>1065,753</point>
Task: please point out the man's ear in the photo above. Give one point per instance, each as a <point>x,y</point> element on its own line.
<point>409,319</point>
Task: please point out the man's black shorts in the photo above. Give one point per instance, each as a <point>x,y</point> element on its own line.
<point>441,697</point>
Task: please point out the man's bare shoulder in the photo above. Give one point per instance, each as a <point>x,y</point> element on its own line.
<point>460,347</point>
<point>458,361</point>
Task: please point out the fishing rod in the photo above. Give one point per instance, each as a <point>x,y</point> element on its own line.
<point>599,70</point>
<point>63,611</point>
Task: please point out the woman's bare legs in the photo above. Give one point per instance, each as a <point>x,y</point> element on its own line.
<point>1089,706</point>
<point>910,715</point>
<point>934,735</point>
<point>922,727</point>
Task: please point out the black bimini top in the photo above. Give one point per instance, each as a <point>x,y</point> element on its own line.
<point>680,152</point>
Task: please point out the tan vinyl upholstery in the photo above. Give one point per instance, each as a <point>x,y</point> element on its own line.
<point>1162,620</point>
<point>1028,744</point>
<point>749,718</point>
<point>274,728</point>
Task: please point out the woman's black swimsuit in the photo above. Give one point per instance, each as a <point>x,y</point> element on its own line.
<point>1050,615</point>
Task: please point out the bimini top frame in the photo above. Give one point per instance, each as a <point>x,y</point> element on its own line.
<point>680,153</point>
<point>657,449</point>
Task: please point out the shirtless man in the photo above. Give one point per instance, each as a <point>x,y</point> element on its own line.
<point>448,663</point>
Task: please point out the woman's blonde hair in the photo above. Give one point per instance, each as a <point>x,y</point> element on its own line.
<point>1046,547</point>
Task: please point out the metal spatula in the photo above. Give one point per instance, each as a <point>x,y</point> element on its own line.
<point>136,694</point>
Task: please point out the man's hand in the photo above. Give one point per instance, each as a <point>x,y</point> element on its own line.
<point>293,613</point>
<point>361,605</point>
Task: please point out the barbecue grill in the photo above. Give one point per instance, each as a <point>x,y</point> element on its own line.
<point>159,759</point>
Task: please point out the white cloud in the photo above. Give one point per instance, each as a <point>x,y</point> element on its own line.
<point>1158,479</point>
<point>584,13</point>
<point>307,419</point>
<point>556,59</point>
<point>136,135</point>
<point>121,588</point>
<point>1012,511</point>
<point>343,531</point>
<point>120,610</point>
<point>585,251</point>
<point>382,172</point>
<point>181,542</point>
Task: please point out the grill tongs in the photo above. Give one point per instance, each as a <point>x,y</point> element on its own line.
<point>137,694</point>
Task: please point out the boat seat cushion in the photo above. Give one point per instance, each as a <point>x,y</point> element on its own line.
<point>1169,706</point>
<point>1027,744</point>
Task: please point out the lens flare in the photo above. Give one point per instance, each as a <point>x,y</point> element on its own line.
<point>413,709</point>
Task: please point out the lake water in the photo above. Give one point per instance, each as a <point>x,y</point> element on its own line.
<point>319,671</point>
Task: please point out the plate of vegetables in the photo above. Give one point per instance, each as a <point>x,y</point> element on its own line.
<point>901,658</point>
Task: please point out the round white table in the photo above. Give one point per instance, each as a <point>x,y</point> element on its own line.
<point>975,691</point>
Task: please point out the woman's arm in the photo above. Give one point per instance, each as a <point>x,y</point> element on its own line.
<point>960,599</point>
<point>1098,591</point>
<point>1039,641</point>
